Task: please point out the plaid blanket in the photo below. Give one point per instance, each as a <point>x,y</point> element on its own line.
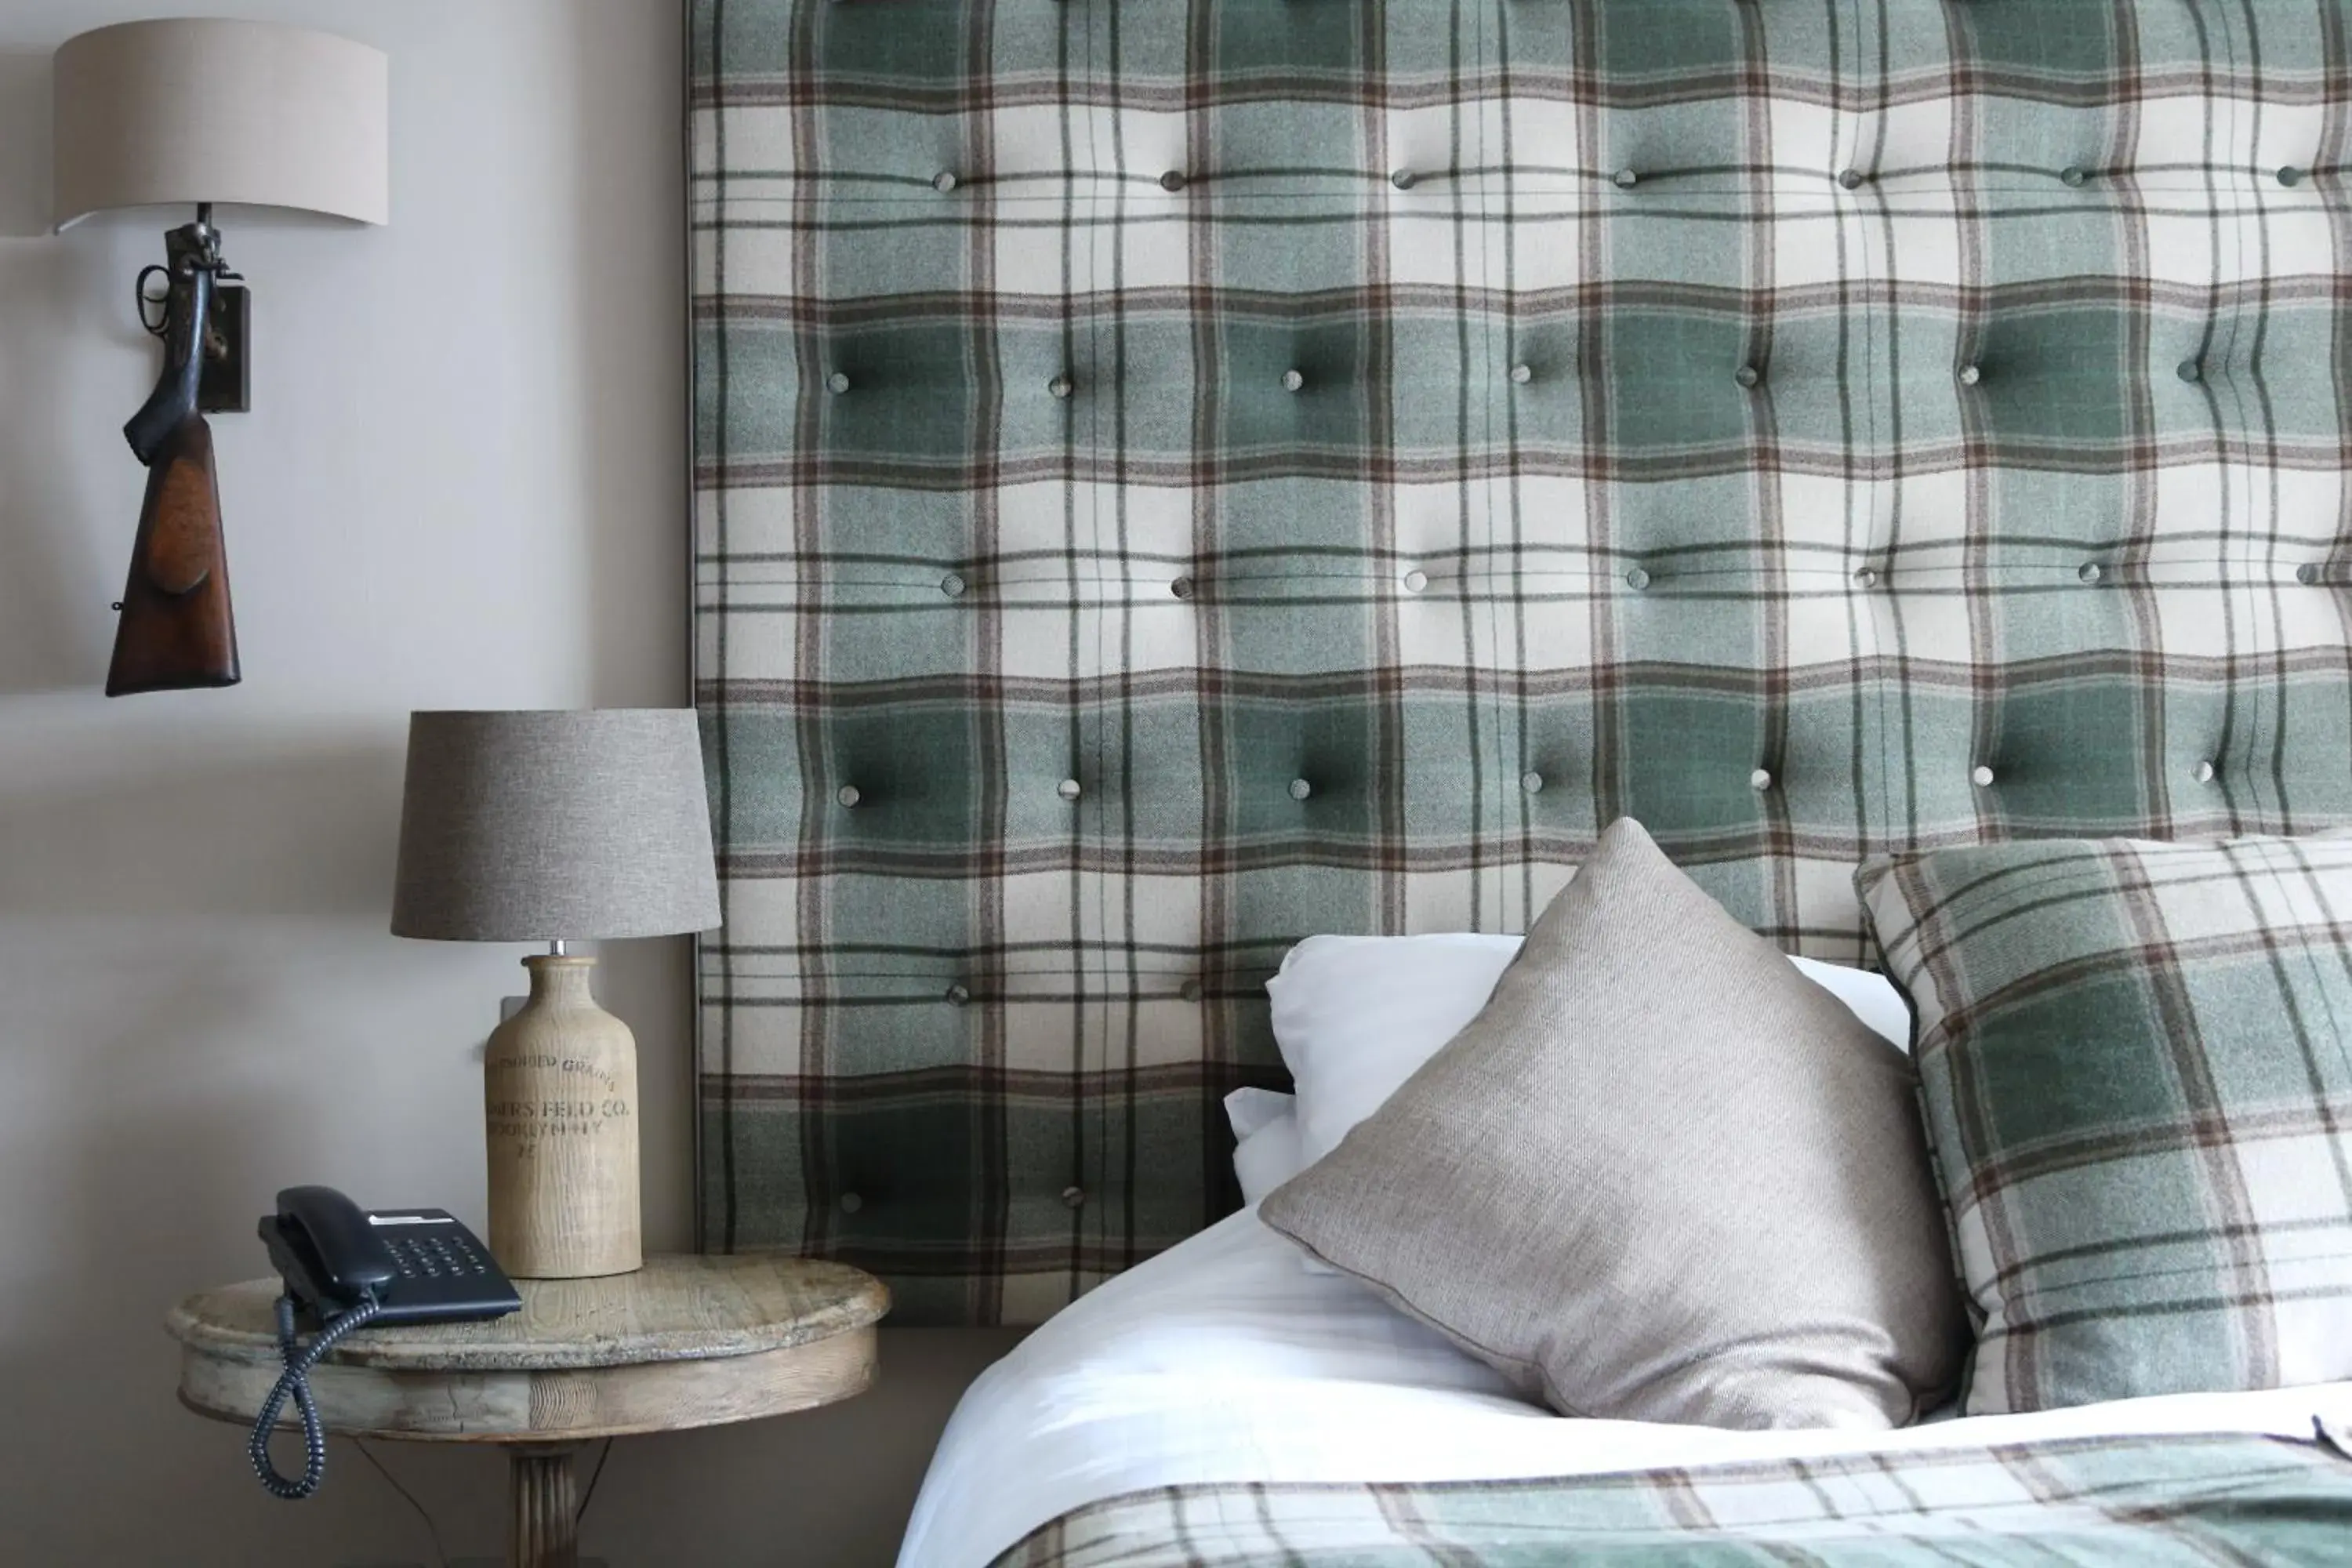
<point>2150,1500</point>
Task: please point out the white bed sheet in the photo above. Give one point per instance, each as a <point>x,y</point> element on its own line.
<point>1223,1360</point>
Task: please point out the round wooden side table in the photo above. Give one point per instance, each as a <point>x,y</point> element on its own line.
<point>684,1341</point>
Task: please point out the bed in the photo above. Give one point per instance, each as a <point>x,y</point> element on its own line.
<point>1222,1364</point>
<point>1173,481</point>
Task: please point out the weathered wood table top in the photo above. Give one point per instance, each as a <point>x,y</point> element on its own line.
<point>676,1308</point>
<point>684,1341</point>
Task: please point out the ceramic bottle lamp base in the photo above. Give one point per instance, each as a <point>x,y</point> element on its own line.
<point>560,1088</point>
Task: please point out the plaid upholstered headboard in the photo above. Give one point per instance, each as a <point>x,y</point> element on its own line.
<point>1173,478</point>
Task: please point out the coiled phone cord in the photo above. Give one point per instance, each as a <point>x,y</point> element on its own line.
<point>295,1382</point>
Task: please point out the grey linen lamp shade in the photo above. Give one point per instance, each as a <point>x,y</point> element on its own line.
<point>540,825</point>
<point>199,108</point>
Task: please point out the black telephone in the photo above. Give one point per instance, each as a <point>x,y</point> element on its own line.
<point>345,1267</point>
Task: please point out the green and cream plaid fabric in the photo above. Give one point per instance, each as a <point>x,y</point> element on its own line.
<point>2190,1501</point>
<point>2136,1062</point>
<point>1172,478</point>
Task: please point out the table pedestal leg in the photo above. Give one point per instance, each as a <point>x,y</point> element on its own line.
<point>542,1530</point>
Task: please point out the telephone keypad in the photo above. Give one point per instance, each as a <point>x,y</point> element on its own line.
<point>436,1256</point>
<point>443,1271</point>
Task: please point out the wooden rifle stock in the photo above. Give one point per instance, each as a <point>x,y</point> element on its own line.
<point>176,629</point>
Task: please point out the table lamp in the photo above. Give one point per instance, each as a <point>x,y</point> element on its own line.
<point>557,826</point>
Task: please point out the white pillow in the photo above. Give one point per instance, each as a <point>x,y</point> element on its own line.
<point>1355,1016</point>
<point>1265,1139</point>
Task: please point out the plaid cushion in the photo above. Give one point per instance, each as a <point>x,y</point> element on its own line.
<point>1003,482</point>
<point>2153,1501</point>
<point>2135,1061</point>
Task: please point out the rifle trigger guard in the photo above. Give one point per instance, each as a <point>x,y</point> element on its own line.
<point>161,320</point>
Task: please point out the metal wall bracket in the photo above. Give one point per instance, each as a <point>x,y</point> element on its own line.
<point>225,384</point>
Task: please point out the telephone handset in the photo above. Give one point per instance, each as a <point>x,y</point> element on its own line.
<point>345,1267</point>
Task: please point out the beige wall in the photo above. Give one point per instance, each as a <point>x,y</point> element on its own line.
<point>461,485</point>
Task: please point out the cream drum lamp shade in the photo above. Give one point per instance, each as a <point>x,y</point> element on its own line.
<point>194,109</point>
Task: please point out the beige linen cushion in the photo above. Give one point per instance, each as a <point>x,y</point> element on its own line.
<point>1662,1177</point>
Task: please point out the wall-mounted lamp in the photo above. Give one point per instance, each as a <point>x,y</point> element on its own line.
<point>194,111</point>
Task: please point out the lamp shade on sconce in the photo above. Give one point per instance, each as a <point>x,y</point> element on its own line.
<point>190,110</point>
<point>548,825</point>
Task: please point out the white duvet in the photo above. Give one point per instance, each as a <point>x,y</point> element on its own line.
<point>1224,1360</point>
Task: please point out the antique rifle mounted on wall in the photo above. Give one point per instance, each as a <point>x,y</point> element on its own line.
<point>190,110</point>
<point>176,629</point>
